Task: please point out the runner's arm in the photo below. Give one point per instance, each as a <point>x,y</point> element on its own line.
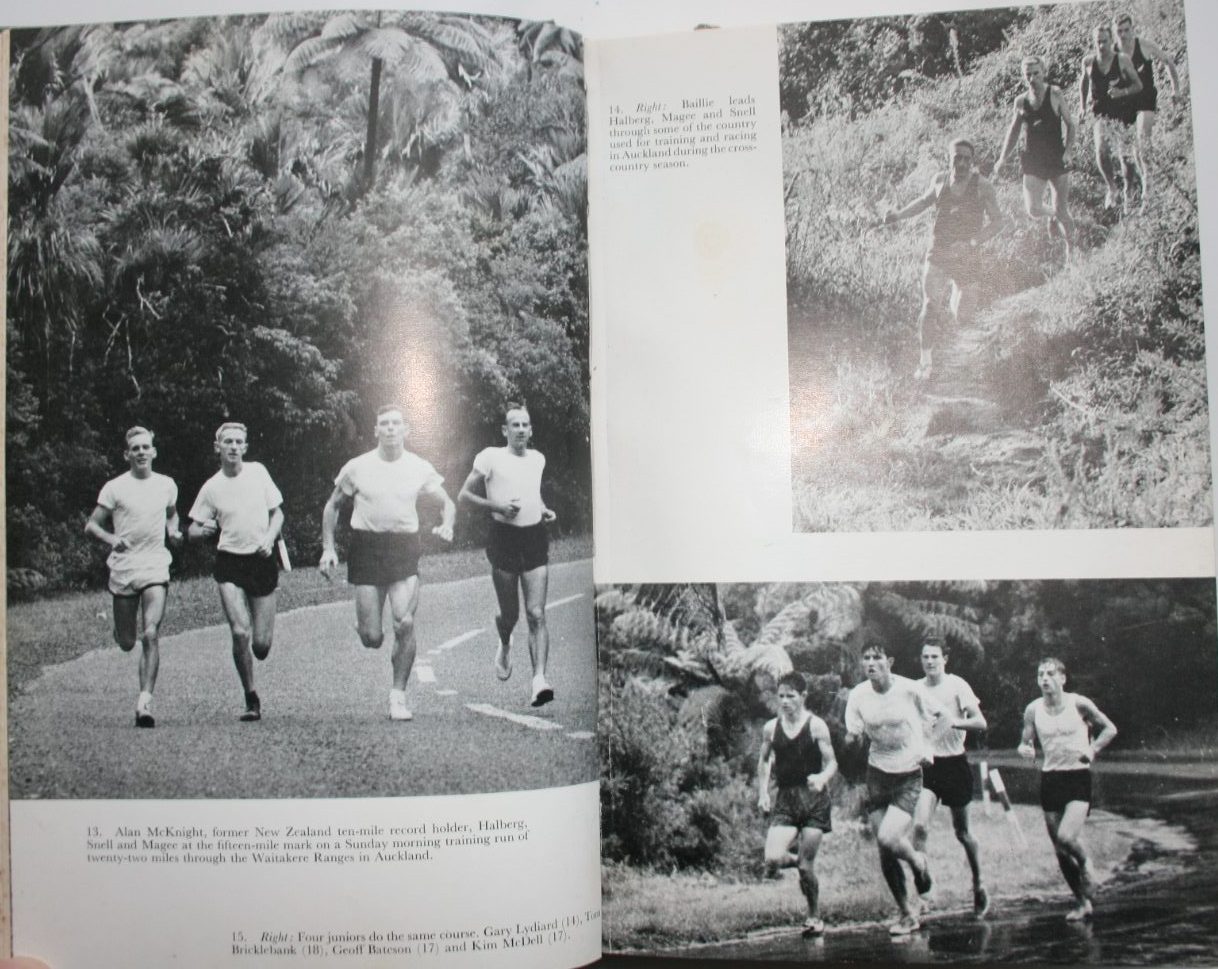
<point>973,718</point>
<point>1131,84</point>
<point>448,515</point>
<point>273,528</point>
<point>1027,740</point>
<point>475,483</point>
<point>828,760</point>
<point>173,528</point>
<point>1068,120</point>
<point>1097,721</point>
<point>1084,86</point>
<point>764,760</point>
<point>917,206</point>
<point>96,526</point>
<point>997,221</point>
<point>1008,143</point>
<point>329,524</point>
<point>1156,53</point>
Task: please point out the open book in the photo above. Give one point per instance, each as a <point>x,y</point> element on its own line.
<point>739,351</point>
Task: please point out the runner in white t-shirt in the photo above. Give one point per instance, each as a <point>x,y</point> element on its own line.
<point>242,504</point>
<point>507,482</point>
<point>893,713</point>
<point>140,508</point>
<point>384,486</point>
<point>1072,731</point>
<point>949,778</point>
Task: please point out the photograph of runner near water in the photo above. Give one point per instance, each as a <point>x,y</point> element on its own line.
<point>993,271</point>
<point>297,341</point>
<point>993,772</point>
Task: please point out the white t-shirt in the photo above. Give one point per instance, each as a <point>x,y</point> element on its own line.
<point>1064,736</point>
<point>955,695</point>
<point>139,511</point>
<point>510,476</point>
<point>241,504</point>
<point>893,722</point>
<point>386,492</point>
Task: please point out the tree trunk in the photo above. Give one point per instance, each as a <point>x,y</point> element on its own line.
<point>374,110</point>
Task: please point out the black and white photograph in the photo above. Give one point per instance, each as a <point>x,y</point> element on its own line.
<point>993,271</point>
<point>298,462</point>
<point>961,771</point>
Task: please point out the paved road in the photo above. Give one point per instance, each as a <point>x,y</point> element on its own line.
<point>1161,910</point>
<point>326,730</point>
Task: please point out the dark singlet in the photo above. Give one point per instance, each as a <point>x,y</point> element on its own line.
<point>1148,98</point>
<point>1044,148</point>
<point>1101,83</point>
<point>958,217</point>
<point>795,757</point>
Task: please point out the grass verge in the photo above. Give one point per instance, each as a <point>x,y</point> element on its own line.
<point>62,628</point>
<point>652,910</point>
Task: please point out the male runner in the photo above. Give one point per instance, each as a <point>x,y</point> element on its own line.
<point>1042,114</point>
<point>1142,54</point>
<point>385,484</point>
<point>1071,731</point>
<point>509,479</point>
<point>1108,87</point>
<point>241,502</point>
<point>966,216</point>
<point>139,507</point>
<point>949,779</point>
<point>894,712</point>
<point>796,744</point>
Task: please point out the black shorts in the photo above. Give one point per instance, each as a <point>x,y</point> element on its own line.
<point>802,807</point>
<point>898,790</point>
<point>1040,165</point>
<point>1059,787</point>
<point>961,266</point>
<point>382,558</point>
<point>516,549</point>
<point>256,575</point>
<point>950,779</point>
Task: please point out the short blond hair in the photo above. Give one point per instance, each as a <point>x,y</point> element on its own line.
<point>231,426</point>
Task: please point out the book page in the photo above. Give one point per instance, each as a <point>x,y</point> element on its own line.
<point>886,418</point>
<point>315,282</point>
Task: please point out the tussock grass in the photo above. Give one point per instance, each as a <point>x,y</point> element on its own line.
<point>654,910</point>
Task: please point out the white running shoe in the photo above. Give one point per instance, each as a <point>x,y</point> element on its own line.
<point>503,663</point>
<point>543,693</point>
<point>397,706</point>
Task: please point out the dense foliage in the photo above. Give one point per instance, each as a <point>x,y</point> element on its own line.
<point>288,221</point>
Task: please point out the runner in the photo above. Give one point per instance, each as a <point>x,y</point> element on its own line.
<point>385,484</point>
<point>135,514</point>
<point>796,744</point>
<point>893,712</point>
<point>1041,113</point>
<point>1071,731</point>
<point>509,479</point>
<point>949,778</point>
<point>242,504</point>
<point>1107,87</point>
<point>966,216</point>
<point>1142,54</point>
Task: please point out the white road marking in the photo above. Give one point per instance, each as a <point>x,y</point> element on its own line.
<point>457,640</point>
<point>425,674</point>
<point>563,602</point>
<point>533,723</point>
<point>446,692</point>
<point>581,734</point>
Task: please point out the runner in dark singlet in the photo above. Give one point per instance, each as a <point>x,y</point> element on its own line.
<point>796,744</point>
<point>1142,54</point>
<point>1108,86</point>
<point>966,216</point>
<point>1041,113</point>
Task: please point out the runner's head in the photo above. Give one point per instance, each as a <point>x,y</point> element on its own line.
<point>517,426</point>
<point>1102,36</point>
<point>231,442</point>
<point>934,656</point>
<point>1124,32</point>
<point>792,690</point>
<point>390,429</point>
<point>877,664</point>
<point>960,154</point>
<point>1051,675</point>
<point>1033,71</point>
<point>140,449</point>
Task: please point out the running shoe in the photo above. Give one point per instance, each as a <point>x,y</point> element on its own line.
<point>543,693</point>
<point>253,707</point>
<point>981,902</point>
<point>503,663</point>
<point>813,927</point>
<point>905,925</point>
<point>397,706</point>
<point>143,713</point>
<point>1080,912</point>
